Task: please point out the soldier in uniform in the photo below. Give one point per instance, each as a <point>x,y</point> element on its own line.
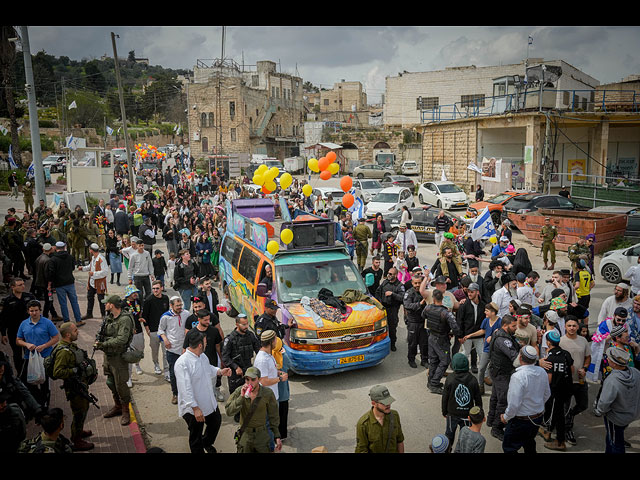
<point>503,350</point>
<point>238,350</point>
<point>414,303</point>
<point>440,322</point>
<point>70,364</point>
<point>50,440</point>
<point>117,332</point>
<point>268,320</point>
<point>79,238</point>
<point>255,404</point>
<point>579,251</point>
<point>379,430</point>
<point>14,245</point>
<point>549,233</point>
<point>27,197</point>
<point>362,234</point>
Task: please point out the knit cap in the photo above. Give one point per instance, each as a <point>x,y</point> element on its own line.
<point>440,444</point>
<point>459,363</point>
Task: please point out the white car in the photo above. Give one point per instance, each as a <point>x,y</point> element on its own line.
<point>410,167</point>
<point>441,194</point>
<point>367,189</point>
<point>390,200</point>
<point>324,192</point>
<point>172,148</point>
<point>56,163</point>
<point>616,263</point>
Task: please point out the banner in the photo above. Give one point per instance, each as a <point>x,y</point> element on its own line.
<point>528,154</point>
<point>491,168</point>
<point>577,169</point>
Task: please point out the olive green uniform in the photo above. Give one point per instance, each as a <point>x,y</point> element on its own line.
<point>255,438</point>
<point>372,437</point>
<point>576,252</point>
<point>548,234</point>
<point>67,366</point>
<point>118,333</point>
<point>43,444</point>
<point>27,197</point>
<point>362,234</point>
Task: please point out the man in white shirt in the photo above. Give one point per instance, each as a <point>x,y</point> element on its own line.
<point>633,274</point>
<point>264,361</point>
<point>526,293</point>
<point>620,298</point>
<point>503,296</point>
<point>528,391</point>
<point>197,403</point>
<point>97,285</point>
<point>140,270</point>
<point>172,331</point>
<point>405,238</point>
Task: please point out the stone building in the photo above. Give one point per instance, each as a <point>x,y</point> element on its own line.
<point>236,110</point>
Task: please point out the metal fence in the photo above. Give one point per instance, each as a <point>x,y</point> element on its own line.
<point>599,191</point>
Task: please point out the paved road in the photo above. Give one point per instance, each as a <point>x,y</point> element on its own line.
<point>324,410</point>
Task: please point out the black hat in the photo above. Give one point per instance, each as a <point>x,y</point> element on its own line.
<point>439,279</point>
<point>271,304</point>
<point>621,312</point>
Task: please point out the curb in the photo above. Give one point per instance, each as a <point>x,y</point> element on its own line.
<point>136,435</point>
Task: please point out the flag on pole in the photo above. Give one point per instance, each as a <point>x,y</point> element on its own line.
<point>31,173</point>
<point>12,162</point>
<point>70,143</point>
<point>109,130</point>
<point>443,177</point>
<point>475,168</point>
<point>483,226</point>
<point>73,105</point>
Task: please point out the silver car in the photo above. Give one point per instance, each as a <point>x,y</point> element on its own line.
<point>367,189</point>
<point>372,170</point>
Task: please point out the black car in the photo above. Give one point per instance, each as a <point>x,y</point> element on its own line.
<point>398,181</point>
<point>533,201</point>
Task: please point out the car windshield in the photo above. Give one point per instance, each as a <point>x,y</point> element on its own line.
<point>370,184</point>
<point>449,188</point>
<point>385,197</point>
<point>499,198</point>
<point>297,281</point>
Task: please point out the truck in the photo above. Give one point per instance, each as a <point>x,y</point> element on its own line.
<point>384,158</point>
<point>294,164</point>
<point>331,322</point>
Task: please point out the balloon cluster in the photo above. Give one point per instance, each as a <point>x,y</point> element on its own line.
<point>145,151</point>
<point>266,178</point>
<point>326,166</point>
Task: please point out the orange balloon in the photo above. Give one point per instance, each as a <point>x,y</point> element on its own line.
<point>323,163</point>
<point>331,156</point>
<point>347,200</point>
<point>346,183</point>
<point>325,175</point>
<point>265,190</point>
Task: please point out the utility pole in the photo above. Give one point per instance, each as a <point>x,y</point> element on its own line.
<point>33,117</point>
<point>132,183</point>
<point>546,165</point>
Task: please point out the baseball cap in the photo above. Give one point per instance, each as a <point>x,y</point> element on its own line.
<point>271,304</point>
<point>252,372</point>
<point>380,394</point>
<point>621,312</point>
<point>504,239</point>
<point>114,299</point>
<point>474,286</point>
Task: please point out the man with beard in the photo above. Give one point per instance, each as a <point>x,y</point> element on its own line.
<point>620,298</point>
<point>379,430</point>
<point>504,295</point>
<point>447,267</point>
<point>475,277</point>
<point>492,280</point>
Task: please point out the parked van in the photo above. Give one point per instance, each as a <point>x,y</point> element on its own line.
<point>312,275</point>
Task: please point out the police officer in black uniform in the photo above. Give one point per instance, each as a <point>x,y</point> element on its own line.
<point>414,303</point>
<point>391,294</point>
<point>14,311</point>
<point>238,349</point>
<point>440,324</point>
<point>503,351</point>
<point>268,320</point>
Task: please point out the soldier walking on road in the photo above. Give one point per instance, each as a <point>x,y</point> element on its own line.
<point>379,430</point>
<point>549,233</point>
<point>362,234</point>
<point>117,335</point>
<point>71,364</point>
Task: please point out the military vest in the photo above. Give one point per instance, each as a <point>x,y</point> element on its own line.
<point>437,322</point>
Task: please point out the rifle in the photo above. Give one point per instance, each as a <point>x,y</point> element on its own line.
<point>99,335</point>
<point>81,389</point>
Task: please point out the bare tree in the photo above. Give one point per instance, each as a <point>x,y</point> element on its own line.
<point>7,59</point>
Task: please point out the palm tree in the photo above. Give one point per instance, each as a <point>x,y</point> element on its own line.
<point>7,58</point>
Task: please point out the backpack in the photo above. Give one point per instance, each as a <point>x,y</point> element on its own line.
<point>87,366</point>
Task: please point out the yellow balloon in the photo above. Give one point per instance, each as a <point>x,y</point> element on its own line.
<point>307,189</point>
<point>258,179</point>
<point>313,165</point>
<point>274,171</point>
<point>262,168</point>
<point>271,186</point>
<point>273,247</point>
<point>493,240</point>
<point>286,236</point>
<point>334,168</point>
<point>285,181</point>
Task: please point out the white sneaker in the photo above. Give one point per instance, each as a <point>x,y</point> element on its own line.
<point>129,383</point>
<point>167,377</point>
<point>138,370</point>
<point>157,369</point>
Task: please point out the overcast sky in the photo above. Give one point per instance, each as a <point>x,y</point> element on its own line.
<point>326,55</point>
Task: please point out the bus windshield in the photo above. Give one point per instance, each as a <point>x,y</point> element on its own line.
<point>297,281</point>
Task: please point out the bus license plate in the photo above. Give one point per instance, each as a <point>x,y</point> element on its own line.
<point>357,358</point>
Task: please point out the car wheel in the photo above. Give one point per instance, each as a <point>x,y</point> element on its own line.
<point>420,199</point>
<point>611,273</point>
<point>360,176</point>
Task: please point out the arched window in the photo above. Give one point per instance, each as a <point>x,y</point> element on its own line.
<point>203,120</point>
<point>211,124</point>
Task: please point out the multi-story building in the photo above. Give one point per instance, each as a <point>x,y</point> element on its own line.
<point>235,110</point>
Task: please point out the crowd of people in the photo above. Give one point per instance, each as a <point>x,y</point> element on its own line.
<point>508,328</point>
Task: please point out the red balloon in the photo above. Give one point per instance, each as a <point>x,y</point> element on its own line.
<point>331,156</point>
<point>346,183</point>
<point>347,200</point>
<point>325,175</point>
<point>323,163</point>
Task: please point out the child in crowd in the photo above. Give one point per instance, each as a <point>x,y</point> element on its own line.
<point>159,266</point>
<point>349,241</point>
<point>470,439</point>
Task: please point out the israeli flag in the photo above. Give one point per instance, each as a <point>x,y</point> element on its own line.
<point>12,162</point>
<point>31,173</point>
<point>109,130</point>
<point>73,105</point>
<point>443,177</point>
<point>70,142</point>
<point>483,226</point>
